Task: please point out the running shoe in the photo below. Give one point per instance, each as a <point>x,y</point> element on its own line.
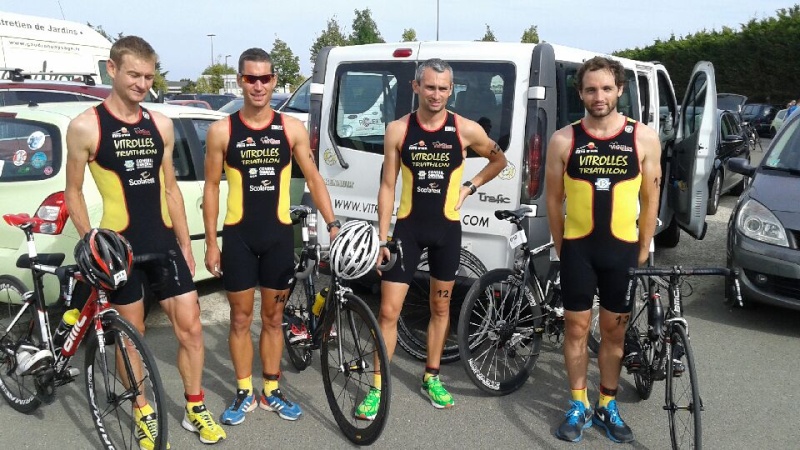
<point>608,419</point>
<point>578,418</point>
<point>147,431</point>
<point>368,408</point>
<point>277,402</point>
<point>200,421</point>
<point>438,395</point>
<point>242,404</point>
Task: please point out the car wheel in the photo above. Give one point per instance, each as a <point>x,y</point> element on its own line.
<point>670,237</point>
<point>714,194</point>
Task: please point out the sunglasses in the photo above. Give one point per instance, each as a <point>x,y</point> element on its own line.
<point>264,79</point>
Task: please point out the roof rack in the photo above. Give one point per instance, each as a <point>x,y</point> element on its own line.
<point>19,75</point>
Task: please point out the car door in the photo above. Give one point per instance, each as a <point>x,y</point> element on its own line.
<point>694,151</point>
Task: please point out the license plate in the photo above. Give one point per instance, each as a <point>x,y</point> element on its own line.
<point>517,239</point>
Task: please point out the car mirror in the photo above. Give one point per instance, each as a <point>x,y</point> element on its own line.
<point>742,166</point>
<point>733,139</point>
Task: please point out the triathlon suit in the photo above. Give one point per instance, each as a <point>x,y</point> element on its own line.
<point>258,239</point>
<point>127,170</point>
<point>431,163</point>
<point>601,241</point>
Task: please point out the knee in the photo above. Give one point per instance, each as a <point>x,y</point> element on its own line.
<point>389,313</point>
<point>272,319</point>
<point>576,330</point>
<point>191,335</point>
<point>440,307</point>
<point>240,321</point>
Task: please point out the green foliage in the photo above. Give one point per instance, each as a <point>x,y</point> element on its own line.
<point>190,87</point>
<point>332,35</point>
<point>489,35</point>
<point>365,30</point>
<point>214,81</point>
<point>286,64</point>
<point>409,35</point>
<point>530,36</point>
<point>759,60</point>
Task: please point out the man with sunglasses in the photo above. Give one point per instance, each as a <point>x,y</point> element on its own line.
<point>255,147</point>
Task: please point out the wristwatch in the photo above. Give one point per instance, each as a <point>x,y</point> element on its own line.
<point>472,187</point>
<point>333,224</point>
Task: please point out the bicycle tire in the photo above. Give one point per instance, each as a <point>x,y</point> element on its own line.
<point>19,391</point>
<point>113,412</point>
<point>683,403</point>
<point>348,379</point>
<point>297,312</point>
<point>412,326</point>
<point>499,333</point>
<point>644,377</point>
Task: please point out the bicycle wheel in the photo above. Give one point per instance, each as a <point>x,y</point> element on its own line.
<point>412,326</point>
<point>684,405</point>
<point>500,332</point>
<point>119,375</point>
<point>296,313</point>
<point>20,391</point>
<point>350,346</point>
<point>638,326</point>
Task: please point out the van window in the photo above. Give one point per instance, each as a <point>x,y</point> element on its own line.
<point>571,107</point>
<point>666,100</point>
<point>695,101</point>
<point>28,150</point>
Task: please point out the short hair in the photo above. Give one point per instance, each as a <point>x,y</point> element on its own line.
<point>255,54</point>
<point>438,66</point>
<point>601,63</point>
<point>132,45</point>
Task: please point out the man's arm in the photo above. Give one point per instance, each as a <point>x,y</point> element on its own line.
<point>82,136</point>
<point>557,152</point>
<point>174,198</point>
<point>474,136</point>
<point>216,144</point>
<point>391,167</point>
<point>649,149</point>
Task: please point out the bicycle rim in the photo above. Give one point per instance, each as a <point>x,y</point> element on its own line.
<point>351,346</point>
<point>296,312</point>
<point>500,332</point>
<point>683,403</point>
<point>119,374</point>
<point>20,391</point>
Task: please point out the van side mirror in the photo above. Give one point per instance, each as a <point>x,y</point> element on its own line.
<point>742,166</point>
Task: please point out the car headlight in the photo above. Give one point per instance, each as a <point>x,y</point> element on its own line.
<point>757,222</point>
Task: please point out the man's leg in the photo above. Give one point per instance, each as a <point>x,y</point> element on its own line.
<point>609,360</point>
<point>241,348</point>
<point>438,328</point>
<point>576,361</point>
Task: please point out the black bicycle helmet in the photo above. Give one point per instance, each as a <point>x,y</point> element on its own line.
<point>104,258</point>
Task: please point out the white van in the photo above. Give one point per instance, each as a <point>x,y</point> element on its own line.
<point>521,93</point>
<point>39,44</point>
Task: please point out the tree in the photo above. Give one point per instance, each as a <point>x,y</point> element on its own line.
<point>160,81</point>
<point>214,81</point>
<point>286,64</point>
<point>489,36</point>
<point>365,30</point>
<point>190,87</point>
<point>331,36</point>
<point>409,35</point>
<point>531,35</point>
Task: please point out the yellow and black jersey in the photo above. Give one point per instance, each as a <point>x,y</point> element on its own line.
<point>601,183</point>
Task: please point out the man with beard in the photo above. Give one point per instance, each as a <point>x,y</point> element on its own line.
<point>607,169</point>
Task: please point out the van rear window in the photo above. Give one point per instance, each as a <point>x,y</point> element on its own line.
<point>28,150</point>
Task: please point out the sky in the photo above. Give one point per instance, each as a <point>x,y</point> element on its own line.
<point>178,30</point>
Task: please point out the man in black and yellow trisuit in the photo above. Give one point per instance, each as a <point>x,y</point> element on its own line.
<point>255,146</point>
<point>607,168</point>
<point>428,148</point>
<point>129,152</point>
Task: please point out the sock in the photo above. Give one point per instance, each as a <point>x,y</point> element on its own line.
<point>270,383</point>
<point>377,380</point>
<point>141,411</point>
<point>581,395</point>
<point>194,400</point>
<point>430,372</point>
<point>606,396</point>
<point>245,384</point>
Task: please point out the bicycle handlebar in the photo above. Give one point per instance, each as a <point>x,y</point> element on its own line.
<point>689,271</point>
<point>395,248</point>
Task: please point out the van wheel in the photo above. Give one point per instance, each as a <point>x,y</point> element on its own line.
<point>670,237</point>
<point>714,194</point>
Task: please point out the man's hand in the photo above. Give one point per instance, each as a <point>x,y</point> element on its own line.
<point>462,195</point>
<point>187,254</point>
<point>644,254</point>
<point>383,255</point>
<point>213,260</point>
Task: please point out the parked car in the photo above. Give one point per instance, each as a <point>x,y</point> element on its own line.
<point>764,228</point>
<point>731,102</point>
<point>760,115</point>
<point>777,122</point>
<point>277,101</point>
<point>194,103</point>
<point>232,106</point>
<point>295,104</point>
<point>17,89</point>
<point>731,143</point>
<point>32,180</point>
<point>216,101</point>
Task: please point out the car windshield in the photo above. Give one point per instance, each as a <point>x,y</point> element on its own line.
<point>232,106</point>
<point>785,152</point>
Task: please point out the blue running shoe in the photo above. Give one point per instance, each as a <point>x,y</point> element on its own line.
<point>277,402</point>
<point>577,419</point>
<point>243,404</point>
<point>608,419</point>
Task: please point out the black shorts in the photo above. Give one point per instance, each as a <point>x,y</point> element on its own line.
<point>174,280</point>
<point>443,241</point>
<point>591,264</point>
<point>266,260</point>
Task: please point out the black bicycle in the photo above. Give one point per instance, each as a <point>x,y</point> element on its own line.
<point>663,338</point>
<point>120,370</point>
<point>505,314</point>
<point>347,333</point>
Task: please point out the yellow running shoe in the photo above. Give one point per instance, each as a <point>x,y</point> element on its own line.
<point>200,421</point>
<point>147,431</point>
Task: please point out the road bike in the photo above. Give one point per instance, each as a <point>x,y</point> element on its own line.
<point>119,369</point>
<point>751,134</point>
<point>347,334</point>
<point>666,352</point>
<point>506,313</point>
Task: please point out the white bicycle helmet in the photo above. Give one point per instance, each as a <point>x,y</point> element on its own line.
<point>354,250</point>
